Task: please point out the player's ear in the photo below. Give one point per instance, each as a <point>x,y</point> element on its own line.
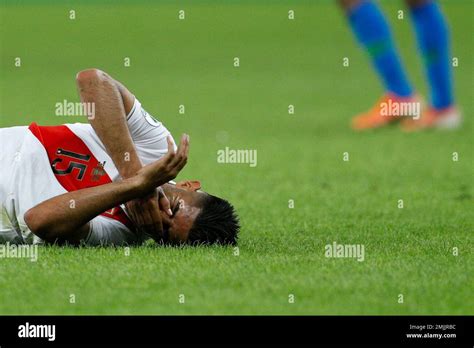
<point>189,185</point>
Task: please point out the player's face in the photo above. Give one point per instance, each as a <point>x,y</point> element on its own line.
<point>185,204</point>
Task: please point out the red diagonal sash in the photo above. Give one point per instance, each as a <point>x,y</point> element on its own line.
<point>73,164</point>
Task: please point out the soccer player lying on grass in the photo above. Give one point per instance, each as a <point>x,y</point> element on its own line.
<point>107,182</point>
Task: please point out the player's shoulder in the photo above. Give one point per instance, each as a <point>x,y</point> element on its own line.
<point>138,112</point>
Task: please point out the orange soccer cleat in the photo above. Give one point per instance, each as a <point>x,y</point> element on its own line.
<point>448,118</point>
<point>388,109</point>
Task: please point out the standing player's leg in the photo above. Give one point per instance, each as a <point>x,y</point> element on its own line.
<point>373,33</point>
<point>432,35</point>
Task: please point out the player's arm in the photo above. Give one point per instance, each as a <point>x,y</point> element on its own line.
<point>113,102</point>
<point>57,220</point>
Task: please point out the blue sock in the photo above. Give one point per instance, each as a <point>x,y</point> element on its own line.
<point>433,40</point>
<point>373,32</point>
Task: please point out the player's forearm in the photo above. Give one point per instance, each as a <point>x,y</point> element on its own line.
<point>55,218</point>
<point>109,121</point>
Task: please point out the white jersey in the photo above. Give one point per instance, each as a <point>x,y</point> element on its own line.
<point>33,170</point>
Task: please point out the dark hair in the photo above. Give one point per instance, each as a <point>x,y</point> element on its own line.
<point>217,223</point>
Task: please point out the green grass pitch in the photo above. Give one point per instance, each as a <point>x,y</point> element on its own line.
<point>408,251</point>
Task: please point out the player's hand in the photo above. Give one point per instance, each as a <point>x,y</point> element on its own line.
<point>146,215</point>
<point>166,168</point>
